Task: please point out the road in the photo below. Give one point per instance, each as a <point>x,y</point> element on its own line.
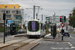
<point>67,44</point>
<point>1,35</point>
<point>50,44</point>
<point>19,42</point>
<point>8,37</point>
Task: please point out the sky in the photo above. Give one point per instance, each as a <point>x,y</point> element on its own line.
<point>49,7</point>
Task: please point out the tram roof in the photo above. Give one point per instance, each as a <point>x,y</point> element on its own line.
<point>33,20</point>
<point>36,20</point>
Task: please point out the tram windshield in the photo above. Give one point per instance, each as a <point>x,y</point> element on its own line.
<point>33,26</point>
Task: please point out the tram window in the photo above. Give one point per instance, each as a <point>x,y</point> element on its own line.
<point>37,26</point>
<point>41,26</point>
<point>33,26</point>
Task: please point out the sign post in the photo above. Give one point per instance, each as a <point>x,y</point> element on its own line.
<point>62,24</point>
<point>4,18</point>
<point>47,24</point>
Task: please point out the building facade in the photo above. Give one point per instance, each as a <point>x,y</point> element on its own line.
<point>15,14</point>
<point>9,6</point>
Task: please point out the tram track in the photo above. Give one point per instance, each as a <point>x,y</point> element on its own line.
<point>21,44</point>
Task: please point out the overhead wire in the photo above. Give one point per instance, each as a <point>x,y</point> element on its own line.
<point>13,1</point>
<point>19,4</point>
<point>25,8</point>
<point>34,2</point>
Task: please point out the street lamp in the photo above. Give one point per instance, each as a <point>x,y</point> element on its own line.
<point>28,16</point>
<point>25,17</point>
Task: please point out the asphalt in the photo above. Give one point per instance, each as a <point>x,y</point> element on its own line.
<point>47,43</point>
<point>12,39</point>
<point>1,34</point>
<point>57,44</point>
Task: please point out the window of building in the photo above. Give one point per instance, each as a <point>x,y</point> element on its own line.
<point>13,11</point>
<point>0,17</point>
<point>8,16</point>
<point>14,7</point>
<point>5,7</point>
<point>7,12</point>
<point>14,15</point>
<point>18,12</point>
<point>3,11</point>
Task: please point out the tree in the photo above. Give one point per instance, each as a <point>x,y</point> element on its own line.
<point>72,19</point>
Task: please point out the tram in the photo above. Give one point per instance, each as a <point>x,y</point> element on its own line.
<point>35,28</point>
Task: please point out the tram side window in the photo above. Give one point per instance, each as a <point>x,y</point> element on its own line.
<point>41,26</point>
<point>37,26</point>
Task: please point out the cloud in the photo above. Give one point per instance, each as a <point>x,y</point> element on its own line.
<point>60,7</point>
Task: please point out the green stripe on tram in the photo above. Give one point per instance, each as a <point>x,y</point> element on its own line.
<point>28,29</point>
<point>38,30</point>
<point>38,22</point>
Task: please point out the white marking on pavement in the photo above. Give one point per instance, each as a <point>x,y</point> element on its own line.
<point>72,37</point>
<point>72,47</point>
<point>68,38</point>
<point>57,43</point>
<point>56,48</point>
<point>49,42</point>
<point>47,35</point>
<point>67,48</point>
<point>70,44</point>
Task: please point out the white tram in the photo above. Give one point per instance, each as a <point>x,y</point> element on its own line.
<point>35,28</point>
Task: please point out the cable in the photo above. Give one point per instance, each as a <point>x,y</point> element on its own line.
<point>13,1</point>
<point>34,2</point>
<point>19,4</point>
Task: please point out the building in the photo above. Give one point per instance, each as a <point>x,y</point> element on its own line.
<point>9,6</point>
<point>13,13</point>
